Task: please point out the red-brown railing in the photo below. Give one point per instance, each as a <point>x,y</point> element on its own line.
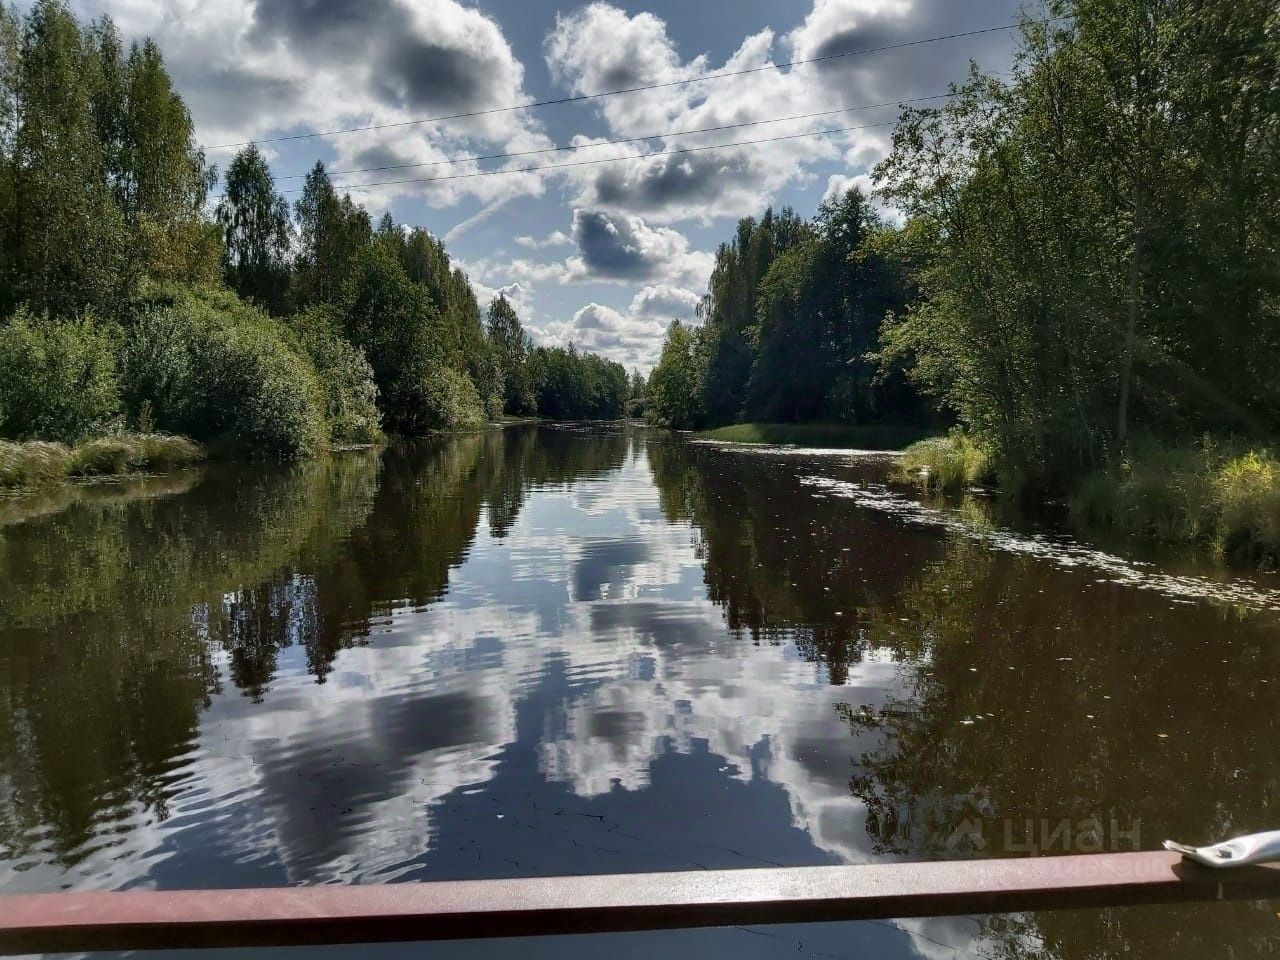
<point>456,910</point>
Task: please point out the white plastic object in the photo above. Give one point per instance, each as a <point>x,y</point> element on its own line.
<point>1240,852</point>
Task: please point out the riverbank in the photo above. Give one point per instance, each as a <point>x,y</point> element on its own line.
<point>1221,498</point>
<point>36,462</point>
<point>875,436</point>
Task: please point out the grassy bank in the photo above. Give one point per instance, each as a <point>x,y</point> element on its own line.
<point>878,436</point>
<point>38,462</point>
<point>946,463</point>
<point>1224,498</point>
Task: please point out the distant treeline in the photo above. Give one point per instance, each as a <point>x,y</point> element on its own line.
<point>264,328</point>
<point>1089,264</point>
<point>791,325</point>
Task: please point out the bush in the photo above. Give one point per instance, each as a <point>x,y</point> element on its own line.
<point>946,463</point>
<point>1227,500</point>
<point>351,396</point>
<point>1154,492</point>
<point>220,370</point>
<point>1246,498</point>
<point>450,401</point>
<point>57,379</point>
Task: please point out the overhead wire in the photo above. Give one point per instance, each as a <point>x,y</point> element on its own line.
<point>582,163</point>
<point>579,98</point>
<point>611,143</point>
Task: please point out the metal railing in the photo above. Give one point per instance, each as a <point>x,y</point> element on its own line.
<point>483,909</point>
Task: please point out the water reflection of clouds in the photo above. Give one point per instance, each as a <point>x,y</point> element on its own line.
<point>428,707</point>
<point>584,638</point>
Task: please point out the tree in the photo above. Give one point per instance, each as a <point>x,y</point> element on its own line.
<point>331,233</point>
<point>1090,238</point>
<point>64,232</point>
<point>511,346</point>
<point>160,178</point>
<point>675,385</point>
<point>255,223</point>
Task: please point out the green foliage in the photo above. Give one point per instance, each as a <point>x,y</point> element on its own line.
<point>450,401</point>
<point>103,193</point>
<point>873,436</point>
<point>351,396</point>
<point>393,321</point>
<point>1226,498</point>
<point>1246,498</point>
<point>791,327</point>
<point>57,379</point>
<point>100,177</point>
<point>951,463</point>
<point>569,385</point>
<point>332,232</point>
<point>675,384</point>
<point>255,224</point>
<point>511,346</point>
<point>218,369</point>
<point>1094,240</point>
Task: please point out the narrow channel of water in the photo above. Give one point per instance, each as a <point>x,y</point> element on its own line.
<point>546,651</point>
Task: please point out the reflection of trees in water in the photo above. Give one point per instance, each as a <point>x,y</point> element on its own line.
<point>1028,693</point>
<point>1037,699</point>
<point>518,460</point>
<point>105,625</point>
<point>782,563</point>
<point>114,607</point>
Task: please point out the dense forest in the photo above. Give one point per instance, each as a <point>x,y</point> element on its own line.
<point>1086,279</point>
<point>134,306</point>
<point>789,327</point>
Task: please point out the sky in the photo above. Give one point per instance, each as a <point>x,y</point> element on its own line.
<point>604,254</point>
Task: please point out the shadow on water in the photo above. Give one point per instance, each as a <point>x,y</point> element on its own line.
<point>543,651</point>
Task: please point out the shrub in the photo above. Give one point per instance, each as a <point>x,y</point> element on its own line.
<point>450,401</point>
<point>218,369</point>
<point>945,463</point>
<point>1155,492</point>
<point>57,379</point>
<point>1246,496</point>
<point>1228,500</point>
<point>351,396</point>
<point>258,394</point>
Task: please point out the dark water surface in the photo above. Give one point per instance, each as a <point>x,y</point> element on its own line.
<point>546,651</point>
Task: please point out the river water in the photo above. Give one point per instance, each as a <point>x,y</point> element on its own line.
<point>558,650</point>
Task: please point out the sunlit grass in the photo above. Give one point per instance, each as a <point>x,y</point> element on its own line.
<point>875,436</point>
<point>952,462</point>
<point>36,462</point>
<point>1227,499</point>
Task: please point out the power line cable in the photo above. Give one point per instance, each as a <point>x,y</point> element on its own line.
<point>584,163</point>
<point>611,143</point>
<point>579,98</point>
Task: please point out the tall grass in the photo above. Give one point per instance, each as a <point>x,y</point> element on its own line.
<point>1225,498</point>
<point>38,462</point>
<point>952,462</point>
<point>869,436</point>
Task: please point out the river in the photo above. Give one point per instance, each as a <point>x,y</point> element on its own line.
<point>575,650</point>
